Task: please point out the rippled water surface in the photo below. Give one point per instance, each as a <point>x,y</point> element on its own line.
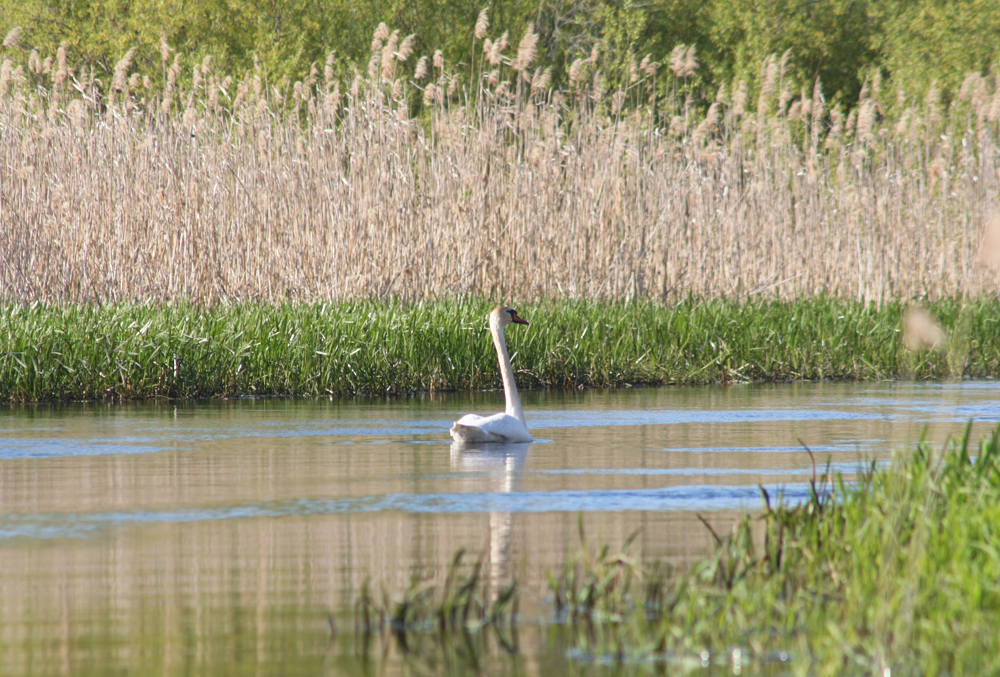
<point>220,538</point>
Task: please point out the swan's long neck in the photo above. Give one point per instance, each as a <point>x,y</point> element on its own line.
<point>509,385</point>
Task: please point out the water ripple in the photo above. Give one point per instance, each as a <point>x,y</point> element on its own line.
<point>688,497</point>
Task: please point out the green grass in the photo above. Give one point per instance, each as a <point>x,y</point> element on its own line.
<point>898,569</point>
<point>54,353</point>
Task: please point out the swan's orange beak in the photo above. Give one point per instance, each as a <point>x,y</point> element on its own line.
<point>517,318</point>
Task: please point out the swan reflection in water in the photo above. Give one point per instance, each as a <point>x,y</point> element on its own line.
<point>501,465</point>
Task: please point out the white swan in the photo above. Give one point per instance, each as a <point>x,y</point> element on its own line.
<point>508,427</point>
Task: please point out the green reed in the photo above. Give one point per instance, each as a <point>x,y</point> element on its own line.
<point>80,352</point>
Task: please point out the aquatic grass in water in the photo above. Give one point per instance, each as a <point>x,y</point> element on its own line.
<point>898,569</point>
<point>466,602</point>
<point>81,352</point>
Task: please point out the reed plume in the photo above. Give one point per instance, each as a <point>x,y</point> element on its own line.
<point>526,50</point>
<point>420,71</point>
<point>13,38</point>
<point>690,62</point>
<point>482,23</point>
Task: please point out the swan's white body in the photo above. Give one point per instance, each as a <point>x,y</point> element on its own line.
<point>499,428</point>
<point>508,427</point>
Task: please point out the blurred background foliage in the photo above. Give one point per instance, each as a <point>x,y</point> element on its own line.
<point>910,44</point>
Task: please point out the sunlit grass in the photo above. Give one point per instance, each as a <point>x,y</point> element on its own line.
<point>367,347</point>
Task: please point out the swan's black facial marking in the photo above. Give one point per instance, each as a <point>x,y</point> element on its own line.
<point>515,318</point>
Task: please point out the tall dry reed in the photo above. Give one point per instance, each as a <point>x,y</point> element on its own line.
<point>404,182</point>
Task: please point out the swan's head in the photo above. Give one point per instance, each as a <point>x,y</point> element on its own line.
<point>501,317</point>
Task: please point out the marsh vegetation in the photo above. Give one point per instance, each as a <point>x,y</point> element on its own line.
<point>417,178</point>
<point>84,352</point>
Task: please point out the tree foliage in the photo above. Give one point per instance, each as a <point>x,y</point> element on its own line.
<point>841,43</point>
<point>928,41</point>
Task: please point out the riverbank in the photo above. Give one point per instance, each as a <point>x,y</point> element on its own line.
<point>122,352</point>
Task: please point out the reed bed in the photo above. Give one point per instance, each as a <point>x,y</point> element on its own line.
<point>418,179</point>
<point>894,572</point>
<point>127,351</point>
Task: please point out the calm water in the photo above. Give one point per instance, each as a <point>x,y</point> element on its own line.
<point>218,538</point>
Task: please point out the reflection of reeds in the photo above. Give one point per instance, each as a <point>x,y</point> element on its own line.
<point>229,186</point>
<point>884,570</point>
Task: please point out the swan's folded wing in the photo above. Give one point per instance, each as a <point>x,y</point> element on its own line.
<point>496,428</point>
